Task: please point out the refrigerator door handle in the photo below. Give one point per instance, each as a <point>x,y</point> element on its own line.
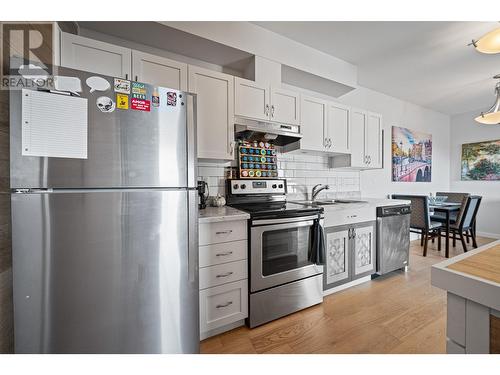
<point>192,156</point>
<point>193,237</point>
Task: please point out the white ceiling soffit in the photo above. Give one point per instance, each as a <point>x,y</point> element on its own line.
<point>170,39</point>
<point>426,63</point>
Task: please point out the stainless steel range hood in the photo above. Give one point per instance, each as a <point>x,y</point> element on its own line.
<point>254,130</point>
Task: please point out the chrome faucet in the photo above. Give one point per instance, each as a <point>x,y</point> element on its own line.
<point>318,189</point>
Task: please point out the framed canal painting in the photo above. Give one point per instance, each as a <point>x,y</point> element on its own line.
<point>411,155</point>
<point>481,161</point>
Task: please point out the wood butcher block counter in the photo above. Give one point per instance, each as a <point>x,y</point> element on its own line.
<point>472,281</point>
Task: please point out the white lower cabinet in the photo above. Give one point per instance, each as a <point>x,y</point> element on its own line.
<point>350,253</point>
<point>223,276</point>
<point>337,256</point>
<point>364,249</point>
<point>223,305</point>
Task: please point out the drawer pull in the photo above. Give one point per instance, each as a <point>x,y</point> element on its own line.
<point>225,231</point>
<point>223,254</point>
<point>224,305</point>
<point>224,274</point>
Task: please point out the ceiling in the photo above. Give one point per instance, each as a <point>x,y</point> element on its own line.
<point>426,63</point>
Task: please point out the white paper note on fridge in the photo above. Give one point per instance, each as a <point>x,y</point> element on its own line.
<point>54,125</point>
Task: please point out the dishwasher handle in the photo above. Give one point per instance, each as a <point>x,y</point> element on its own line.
<point>404,209</point>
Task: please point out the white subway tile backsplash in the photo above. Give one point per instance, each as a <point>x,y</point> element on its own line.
<point>302,172</point>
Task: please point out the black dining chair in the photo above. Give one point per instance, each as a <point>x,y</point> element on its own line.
<point>465,224</point>
<point>420,220</point>
<point>452,197</point>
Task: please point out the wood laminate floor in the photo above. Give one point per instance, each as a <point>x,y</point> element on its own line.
<point>397,313</point>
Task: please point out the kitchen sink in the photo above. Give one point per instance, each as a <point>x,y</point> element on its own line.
<point>328,202</point>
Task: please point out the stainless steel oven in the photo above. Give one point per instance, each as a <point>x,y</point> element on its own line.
<point>282,277</point>
<point>280,251</point>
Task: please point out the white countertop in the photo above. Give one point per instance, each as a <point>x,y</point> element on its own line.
<point>477,289</point>
<point>367,203</point>
<point>216,214</point>
<point>384,202</point>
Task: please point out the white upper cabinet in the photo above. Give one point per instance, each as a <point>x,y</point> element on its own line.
<point>358,124</point>
<point>261,102</point>
<point>373,140</point>
<point>284,106</point>
<point>312,123</point>
<point>215,112</point>
<point>338,129</point>
<point>251,100</point>
<point>94,56</point>
<point>366,141</point>
<point>159,71</point>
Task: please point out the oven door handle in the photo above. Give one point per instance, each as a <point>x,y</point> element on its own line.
<point>284,220</point>
<point>268,228</point>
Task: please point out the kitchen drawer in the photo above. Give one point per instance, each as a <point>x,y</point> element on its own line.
<point>223,305</point>
<point>225,252</point>
<point>222,274</point>
<point>335,217</point>
<point>224,231</point>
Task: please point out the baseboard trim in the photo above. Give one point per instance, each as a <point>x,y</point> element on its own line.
<point>347,285</point>
<point>490,235</point>
<point>217,331</point>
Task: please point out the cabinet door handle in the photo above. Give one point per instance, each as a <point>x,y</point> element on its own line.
<point>229,303</point>
<point>272,110</point>
<point>225,231</point>
<point>231,148</point>
<point>136,78</point>
<point>325,143</point>
<point>224,274</point>
<point>126,75</point>
<point>223,254</point>
<point>330,141</point>
<point>266,110</point>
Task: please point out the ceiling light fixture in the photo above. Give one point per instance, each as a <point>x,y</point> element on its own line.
<point>488,43</point>
<point>492,115</point>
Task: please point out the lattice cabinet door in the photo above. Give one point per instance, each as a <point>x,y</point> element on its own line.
<point>364,249</point>
<point>337,256</point>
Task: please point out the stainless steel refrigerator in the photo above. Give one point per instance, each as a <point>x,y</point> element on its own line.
<point>105,244</point>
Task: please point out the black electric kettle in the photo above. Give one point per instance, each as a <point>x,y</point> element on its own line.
<point>203,194</point>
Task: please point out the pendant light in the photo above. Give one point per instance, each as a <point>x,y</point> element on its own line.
<point>488,43</point>
<point>492,115</point>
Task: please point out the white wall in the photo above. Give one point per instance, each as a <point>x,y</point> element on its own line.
<point>395,112</point>
<point>464,129</point>
<point>277,49</point>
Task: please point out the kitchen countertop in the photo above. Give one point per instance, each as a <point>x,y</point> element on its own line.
<point>217,214</point>
<point>474,275</point>
<point>384,202</point>
<point>367,203</point>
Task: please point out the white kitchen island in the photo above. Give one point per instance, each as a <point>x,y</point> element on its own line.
<point>472,282</point>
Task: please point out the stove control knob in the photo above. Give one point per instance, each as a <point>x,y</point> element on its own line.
<point>280,186</point>
<point>274,186</point>
<point>243,186</point>
<point>235,186</point>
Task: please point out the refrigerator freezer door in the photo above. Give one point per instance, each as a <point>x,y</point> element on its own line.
<point>105,272</point>
<point>149,146</point>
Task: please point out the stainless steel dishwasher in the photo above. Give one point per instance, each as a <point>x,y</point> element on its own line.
<point>393,238</point>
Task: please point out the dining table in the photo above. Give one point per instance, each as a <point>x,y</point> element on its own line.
<point>447,208</point>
